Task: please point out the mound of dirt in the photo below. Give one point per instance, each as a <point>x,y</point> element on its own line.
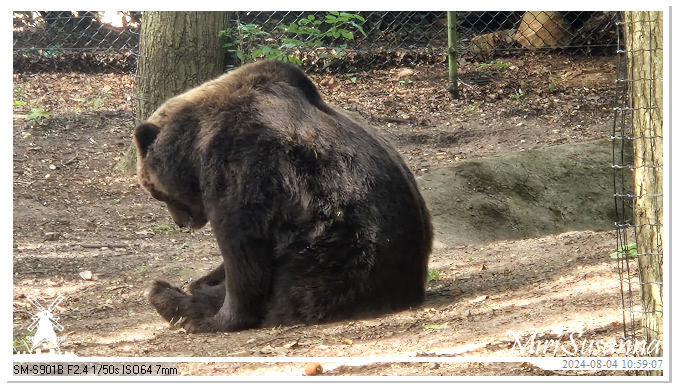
<point>522,194</point>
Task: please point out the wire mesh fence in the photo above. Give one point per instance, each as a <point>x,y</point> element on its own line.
<point>637,147</point>
<point>623,184</point>
<point>108,41</point>
<point>78,41</point>
<point>90,41</point>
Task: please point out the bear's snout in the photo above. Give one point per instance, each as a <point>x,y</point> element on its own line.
<point>184,218</point>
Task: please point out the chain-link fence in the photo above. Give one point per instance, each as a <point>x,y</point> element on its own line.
<point>107,41</point>
<point>77,41</point>
<point>87,41</point>
<point>637,148</point>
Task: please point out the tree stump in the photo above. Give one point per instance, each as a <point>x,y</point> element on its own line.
<point>540,29</point>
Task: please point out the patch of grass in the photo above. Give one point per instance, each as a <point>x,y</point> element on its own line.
<point>406,82</point>
<point>37,115</point>
<point>92,104</point>
<point>20,344</point>
<point>491,66</point>
<point>518,95</point>
<point>432,275</point>
<point>435,326</point>
<point>140,269</point>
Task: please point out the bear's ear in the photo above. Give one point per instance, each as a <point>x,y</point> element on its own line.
<point>145,134</point>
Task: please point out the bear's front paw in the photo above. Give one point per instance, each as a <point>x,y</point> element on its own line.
<point>217,323</point>
<point>201,325</point>
<point>169,301</point>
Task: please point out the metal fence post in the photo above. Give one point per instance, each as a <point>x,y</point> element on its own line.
<point>452,55</point>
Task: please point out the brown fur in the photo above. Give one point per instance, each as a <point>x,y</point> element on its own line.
<point>316,216</point>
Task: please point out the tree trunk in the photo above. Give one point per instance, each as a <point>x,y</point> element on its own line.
<point>644,47</point>
<point>177,51</point>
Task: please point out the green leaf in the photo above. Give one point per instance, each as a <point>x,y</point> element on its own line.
<point>432,274</point>
<point>435,326</point>
<point>256,53</point>
<point>359,28</point>
<point>347,34</point>
<point>626,251</point>
<point>291,43</point>
<point>19,102</point>
<point>37,113</point>
<point>294,60</point>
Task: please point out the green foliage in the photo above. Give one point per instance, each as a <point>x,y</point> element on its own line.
<point>518,95</point>
<point>406,82</point>
<point>18,103</point>
<point>626,251</point>
<point>49,52</point>
<point>432,275</point>
<point>491,66</point>
<point>37,115</point>
<point>91,104</point>
<point>95,104</point>
<point>52,51</point>
<point>20,344</point>
<point>250,41</point>
<point>435,326</point>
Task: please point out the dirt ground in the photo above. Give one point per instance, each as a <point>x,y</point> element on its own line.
<point>89,233</point>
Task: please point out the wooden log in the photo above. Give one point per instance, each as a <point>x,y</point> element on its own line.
<point>486,44</point>
<point>541,29</point>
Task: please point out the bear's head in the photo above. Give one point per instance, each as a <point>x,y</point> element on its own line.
<point>165,168</point>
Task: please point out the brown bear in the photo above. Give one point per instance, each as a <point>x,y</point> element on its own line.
<point>317,217</point>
